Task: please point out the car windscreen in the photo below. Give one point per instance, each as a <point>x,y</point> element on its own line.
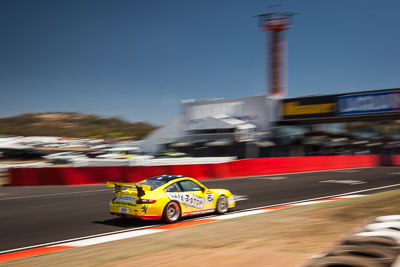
<point>157,181</point>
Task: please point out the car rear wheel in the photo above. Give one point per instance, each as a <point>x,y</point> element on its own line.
<point>172,212</point>
<point>222,205</point>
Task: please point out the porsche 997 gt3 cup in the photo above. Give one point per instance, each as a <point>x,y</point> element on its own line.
<point>169,198</point>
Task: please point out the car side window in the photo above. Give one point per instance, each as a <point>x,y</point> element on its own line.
<point>189,186</point>
<point>173,188</point>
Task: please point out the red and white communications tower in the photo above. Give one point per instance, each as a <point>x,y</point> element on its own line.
<point>275,24</point>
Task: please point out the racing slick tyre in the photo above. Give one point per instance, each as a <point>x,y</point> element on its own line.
<point>222,205</point>
<point>172,212</point>
<point>372,240</point>
<point>335,261</point>
<point>378,253</point>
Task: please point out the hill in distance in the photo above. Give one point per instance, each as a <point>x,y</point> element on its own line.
<point>71,124</point>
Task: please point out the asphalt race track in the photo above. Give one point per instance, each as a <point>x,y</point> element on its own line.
<point>32,216</point>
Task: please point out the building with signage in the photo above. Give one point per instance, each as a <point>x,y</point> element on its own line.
<point>353,123</point>
<point>359,122</point>
<point>216,127</point>
<point>355,106</point>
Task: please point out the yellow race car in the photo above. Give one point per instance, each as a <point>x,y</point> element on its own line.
<point>168,197</point>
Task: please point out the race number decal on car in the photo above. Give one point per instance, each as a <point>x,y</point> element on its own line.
<point>209,198</point>
<point>187,199</point>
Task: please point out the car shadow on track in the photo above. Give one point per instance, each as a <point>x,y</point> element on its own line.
<point>131,222</point>
<point>127,222</point>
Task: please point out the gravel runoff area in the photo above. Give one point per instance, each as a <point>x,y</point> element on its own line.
<point>286,237</point>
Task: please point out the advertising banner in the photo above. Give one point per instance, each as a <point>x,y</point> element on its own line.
<point>254,110</point>
<point>308,107</point>
<point>369,103</point>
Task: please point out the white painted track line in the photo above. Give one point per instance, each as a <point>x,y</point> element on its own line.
<point>109,238</point>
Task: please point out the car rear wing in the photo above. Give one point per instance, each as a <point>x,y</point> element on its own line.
<point>141,188</point>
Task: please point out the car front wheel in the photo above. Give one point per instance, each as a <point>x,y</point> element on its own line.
<point>222,205</point>
<point>172,212</point>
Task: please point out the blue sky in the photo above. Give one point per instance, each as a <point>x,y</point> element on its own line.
<point>139,58</point>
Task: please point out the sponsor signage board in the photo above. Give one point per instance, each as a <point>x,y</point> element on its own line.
<point>368,103</point>
<point>254,109</point>
<point>308,107</point>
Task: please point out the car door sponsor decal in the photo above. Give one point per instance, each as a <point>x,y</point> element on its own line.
<point>210,198</point>
<point>187,199</point>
